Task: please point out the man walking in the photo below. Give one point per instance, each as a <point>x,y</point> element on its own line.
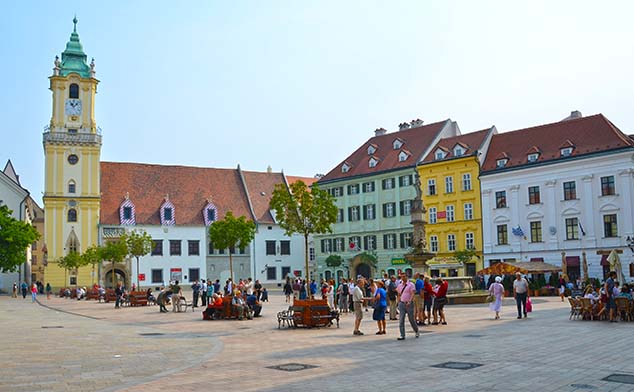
<point>357,301</point>
<point>391,297</point>
<point>418,299</point>
<point>609,292</point>
<point>520,291</point>
<point>406,291</point>
<point>118,292</point>
<point>203,292</point>
<point>195,294</point>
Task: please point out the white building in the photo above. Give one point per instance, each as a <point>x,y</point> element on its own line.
<point>559,190</point>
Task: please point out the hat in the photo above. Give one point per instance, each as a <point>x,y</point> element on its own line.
<point>498,279</point>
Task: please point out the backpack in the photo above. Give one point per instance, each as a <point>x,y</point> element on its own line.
<point>391,291</point>
<point>344,289</point>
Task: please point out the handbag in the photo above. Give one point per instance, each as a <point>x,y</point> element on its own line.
<point>490,298</point>
<point>529,305</point>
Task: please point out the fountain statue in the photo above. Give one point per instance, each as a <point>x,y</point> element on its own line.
<point>419,255</point>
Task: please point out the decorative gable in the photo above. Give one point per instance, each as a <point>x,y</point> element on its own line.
<point>501,160</point>
<point>127,212</point>
<point>566,148</point>
<point>371,149</point>
<point>397,144</point>
<point>459,149</point>
<point>167,213</point>
<point>439,154</point>
<point>210,212</point>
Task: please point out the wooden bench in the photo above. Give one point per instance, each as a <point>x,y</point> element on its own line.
<point>110,296</point>
<point>312,313</point>
<point>224,311</point>
<point>137,298</point>
<point>92,294</point>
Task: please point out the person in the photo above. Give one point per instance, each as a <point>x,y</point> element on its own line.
<point>133,286</point>
<point>625,292</point>
<point>264,295</point>
<point>48,290</point>
<point>440,300</point>
<point>380,304</point>
<point>258,289</point>
<point>195,293</point>
<point>391,296</point>
<point>343,296</point>
<point>15,290</point>
<point>427,301</point>
<point>288,289</point>
<point>609,292</point>
<point>357,303</point>
<point>419,299</point>
<point>351,287</point>
<point>520,292</point>
<point>302,290</point>
<point>249,286</point>
<point>238,304</point>
<point>313,288</point>
<point>119,294</point>
<point>254,304</point>
<point>229,287</point>
<point>405,292</point>
<point>562,288</point>
<point>497,291</point>
<point>177,292</point>
<point>161,300</point>
<point>217,286</point>
<point>33,292</point>
<point>24,287</point>
<point>149,296</point>
<point>330,294</point>
<point>210,291</point>
<point>203,292</point>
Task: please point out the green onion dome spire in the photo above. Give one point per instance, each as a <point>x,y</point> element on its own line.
<point>74,58</point>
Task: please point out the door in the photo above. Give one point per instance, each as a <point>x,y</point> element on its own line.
<point>364,270</point>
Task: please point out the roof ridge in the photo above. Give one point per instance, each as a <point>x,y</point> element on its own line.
<point>617,131</point>
<point>572,120</point>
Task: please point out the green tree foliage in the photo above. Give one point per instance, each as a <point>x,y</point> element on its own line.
<point>303,211</point>
<point>368,257</point>
<point>70,262</point>
<point>92,256</point>
<point>115,252</point>
<point>15,237</point>
<point>139,244</point>
<point>230,233</point>
<point>464,256</point>
<point>334,261</point>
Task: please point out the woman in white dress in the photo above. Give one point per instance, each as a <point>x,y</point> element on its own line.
<point>497,291</point>
<point>330,294</point>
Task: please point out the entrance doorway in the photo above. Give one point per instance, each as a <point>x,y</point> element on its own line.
<point>119,276</point>
<point>364,269</point>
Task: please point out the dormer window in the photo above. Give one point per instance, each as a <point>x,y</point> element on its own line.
<point>371,149</point>
<point>373,162</point>
<point>501,162</point>
<point>397,143</point>
<point>566,152</point>
<point>533,157</point>
<point>402,156</point>
<point>458,151</point>
<point>127,215</point>
<point>210,213</point>
<point>345,168</point>
<point>167,213</point>
<point>439,154</point>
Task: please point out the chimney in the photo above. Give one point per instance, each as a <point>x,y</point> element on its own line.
<point>380,131</point>
<point>403,126</point>
<point>416,123</point>
<point>269,169</point>
<point>574,114</point>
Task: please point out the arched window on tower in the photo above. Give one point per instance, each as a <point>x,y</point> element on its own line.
<point>72,215</point>
<point>72,243</point>
<point>73,91</point>
<point>71,186</point>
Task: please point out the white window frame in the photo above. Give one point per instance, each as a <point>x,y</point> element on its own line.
<point>468,211</point>
<point>466,182</point>
<point>433,243</point>
<point>433,215</point>
<point>372,162</point>
<point>566,152</point>
<point>451,242</point>
<point>449,184</point>
<point>458,151</point>
<point>533,157</point>
<point>439,154</point>
<point>469,240</point>
<point>450,213</point>
<point>402,156</point>
<point>431,182</point>
<point>501,162</point>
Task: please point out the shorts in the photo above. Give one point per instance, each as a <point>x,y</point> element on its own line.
<point>611,304</point>
<point>379,313</point>
<point>358,310</point>
<point>439,303</point>
<point>427,304</point>
<point>418,303</point>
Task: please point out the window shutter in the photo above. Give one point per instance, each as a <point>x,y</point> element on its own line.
<point>365,243</point>
<point>400,181</point>
<point>402,235</point>
<point>323,248</point>
<point>383,183</point>
<point>350,214</point>
<point>385,210</point>
<point>401,206</point>
<point>365,212</point>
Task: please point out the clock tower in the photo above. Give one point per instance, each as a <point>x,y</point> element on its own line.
<point>72,148</point>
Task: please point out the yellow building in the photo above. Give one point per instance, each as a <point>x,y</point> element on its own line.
<point>449,177</point>
<point>72,148</point>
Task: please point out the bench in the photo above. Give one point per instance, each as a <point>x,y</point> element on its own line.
<point>285,317</point>
<point>110,296</point>
<point>92,294</point>
<point>225,311</point>
<point>137,298</point>
<point>310,313</point>
<point>322,316</point>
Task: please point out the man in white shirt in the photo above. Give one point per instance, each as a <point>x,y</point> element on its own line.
<point>520,292</point>
<point>249,286</point>
<point>357,300</point>
<point>351,287</point>
<point>203,292</point>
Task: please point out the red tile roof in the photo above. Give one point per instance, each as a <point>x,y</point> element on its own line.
<point>188,189</point>
<point>588,135</point>
<point>260,187</point>
<point>415,141</point>
<point>307,180</point>
<point>471,142</point>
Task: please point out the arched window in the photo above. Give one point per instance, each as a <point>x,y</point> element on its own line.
<point>72,215</point>
<point>71,186</point>
<point>72,243</point>
<point>73,91</point>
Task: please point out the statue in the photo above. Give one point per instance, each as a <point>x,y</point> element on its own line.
<point>92,68</point>
<point>58,65</point>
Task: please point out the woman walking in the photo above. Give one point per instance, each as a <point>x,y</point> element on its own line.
<point>330,294</point>
<point>497,291</point>
<point>288,289</point>
<point>380,304</point>
<point>48,291</point>
<point>33,292</point>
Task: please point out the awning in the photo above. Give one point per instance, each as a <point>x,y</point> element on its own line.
<point>573,261</point>
<point>604,260</point>
<point>524,267</point>
<point>537,259</point>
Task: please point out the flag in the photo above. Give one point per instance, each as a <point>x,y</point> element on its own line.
<point>441,215</point>
<point>583,232</point>
<point>517,231</point>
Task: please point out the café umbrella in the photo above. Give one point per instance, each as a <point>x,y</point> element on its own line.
<point>615,265</point>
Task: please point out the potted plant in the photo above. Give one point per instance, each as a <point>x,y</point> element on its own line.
<point>534,288</point>
<point>507,282</point>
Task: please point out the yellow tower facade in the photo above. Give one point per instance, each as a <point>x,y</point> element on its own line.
<point>72,149</point>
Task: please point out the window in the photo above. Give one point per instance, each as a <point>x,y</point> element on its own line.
<point>193,248</point>
<point>175,247</point>
<point>466,182</point>
<point>431,186</point>
<point>243,250</point>
<point>353,214</point>
<point>73,131</point>
<point>369,242</point>
<point>326,245</point>
<point>397,144</point>
<point>432,215</point>
<point>285,247</point>
<point>157,276</point>
<point>501,162</point>
<point>402,156</point>
<point>469,241</point>
<point>271,273</point>
<point>345,168</point>
<point>439,154</point>
<point>533,195</point>
<point>389,210</point>
<point>389,241</point>
<point>355,243</point>
<point>458,151</point>
<point>450,214</point>
<point>337,192</point>
<point>572,229</point>
<point>167,214</point>
<point>311,254</point>
<point>369,212</point>
<point>500,199</point>
<point>570,190</point>
<point>405,207</point>
<point>270,248</point>
<point>536,231</point>
<point>389,183</point>
<point>221,251</point>
<point>468,211</point>
<point>368,187</point>
<point>127,213</point>
<point>340,215</point>
<point>72,215</point>
<point>371,150</point>
<point>73,91</point>
<point>433,243</point>
<point>211,248</point>
<point>503,237</point>
<point>285,272</point>
<point>194,274</point>
<point>451,242</point>
<point>607,186</point>
<point>533,157</point>
<point>372,162</point>
<point>609,225</point>
<point>157,249</point>
<point>406,240</point>
<point>405,180</point>
<point>338,244</point>
<point>71,186</point>
<point>353,189</point>
<point>449,184</point>
<point>73,159</point>
<point>211,215</point>
<point>566,152</point>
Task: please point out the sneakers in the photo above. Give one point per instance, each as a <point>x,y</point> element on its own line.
<point>357,333</point>
<point>444,323</point>
<point>417,334</point>
<point>400,338</point>
<point>519,317</point>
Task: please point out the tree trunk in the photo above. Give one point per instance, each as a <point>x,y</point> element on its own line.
<point>308,293</point>
<point>231,267</point>
<point>138,285</point>
<point>113,275</point>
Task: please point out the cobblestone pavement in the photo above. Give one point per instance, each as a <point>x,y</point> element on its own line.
<point>140,349</point>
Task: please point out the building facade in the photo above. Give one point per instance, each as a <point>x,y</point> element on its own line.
<point>450,183</point>
<point>374,188</point>
<point>559,191</point>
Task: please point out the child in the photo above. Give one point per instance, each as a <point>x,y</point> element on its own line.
<point>265,295</point>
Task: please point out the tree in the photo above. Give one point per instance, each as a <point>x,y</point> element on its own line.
<point>231,232</point>
<point>464,256</point>
<point>115,252</point>
<point>334,261</point>
<point>139,244</point>
<point>303,211</point>
<point>15,237</point>
<point>92,256</point>
<point>71,261</point>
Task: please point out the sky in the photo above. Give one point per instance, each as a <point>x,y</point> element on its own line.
<point>299,85</point>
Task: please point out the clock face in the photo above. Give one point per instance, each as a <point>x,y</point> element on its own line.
<point>73,107</point>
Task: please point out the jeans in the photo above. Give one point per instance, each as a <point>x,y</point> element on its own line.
<point>117,302</point>
<point>203,298</point>
<point>33,295</point>
<point>195,299</point>
<point>520,299</point>
<point>408,309</point>
<point>343,302</point>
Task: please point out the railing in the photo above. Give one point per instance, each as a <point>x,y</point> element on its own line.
<point>75,138</point>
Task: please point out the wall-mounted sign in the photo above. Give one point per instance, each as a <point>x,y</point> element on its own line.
<point>399,261</point>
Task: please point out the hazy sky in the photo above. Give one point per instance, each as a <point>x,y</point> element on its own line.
<point>299,85</point>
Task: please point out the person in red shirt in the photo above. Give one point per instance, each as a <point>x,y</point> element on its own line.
<point>440,301</point>
<point>429,296</point>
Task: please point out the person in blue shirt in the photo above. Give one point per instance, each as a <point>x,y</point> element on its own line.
<point>380,304</point>
<point>313,288</point>
<point>23,287</point>
<point>254,304</point>
<point>418,300</point>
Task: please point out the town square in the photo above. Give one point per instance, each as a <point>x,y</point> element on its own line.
<point>321,195</point>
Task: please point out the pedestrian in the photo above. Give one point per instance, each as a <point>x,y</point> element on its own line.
<point>119,294</point>
<point>497,291</point>
<point>392,297</point>
<point>345,296</point>
<point>609,292</point>
<point>217,286</point>
<point>562,288</point>
<point>24,287</point>
<point>15,290</point>
<point>351,287</point>
<point>249,286</point>
<point>161,299</point>
<point>288,289</point>
<point>195,293</point>
<point>33,292</point>
<point>406,291</point>
<point>258,289</point>
<point>520,291</point>
<point>313,288</point>
<point>330,294</point>
<point>203,292</point>
<point>48,291</point>
<point>357,301</point>
<point>427,301</point>
<point>302,290</point>
<point>419,297</point>
<point>440,300</point>
<point>380,304</point>
<point>265,295</point>
<point>177,292</point>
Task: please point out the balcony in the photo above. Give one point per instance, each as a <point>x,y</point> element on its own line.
<point>71,138</point>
